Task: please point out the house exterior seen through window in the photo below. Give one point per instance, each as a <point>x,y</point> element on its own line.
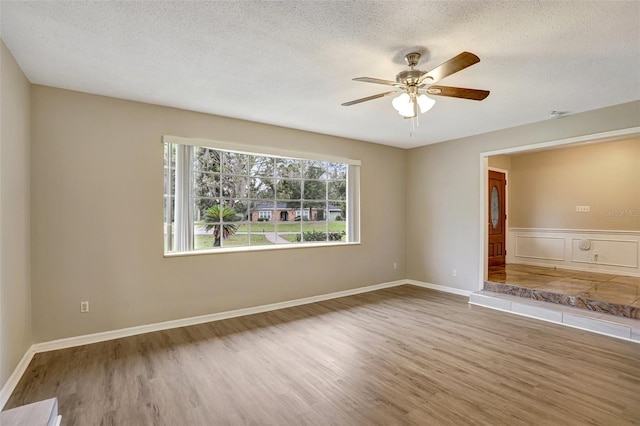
<point>215,199</point>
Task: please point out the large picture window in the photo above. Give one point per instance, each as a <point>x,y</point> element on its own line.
<point>216,198</point>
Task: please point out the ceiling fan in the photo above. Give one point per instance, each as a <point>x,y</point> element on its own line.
<point>414,85</point>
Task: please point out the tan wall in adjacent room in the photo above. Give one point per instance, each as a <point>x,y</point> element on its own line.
<point>97,214</point>
<point>15,275</point>
<point>547,186</point>
<point>500,162</point>
<point>444,183</point>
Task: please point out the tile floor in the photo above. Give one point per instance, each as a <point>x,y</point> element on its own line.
<point>607,293</point>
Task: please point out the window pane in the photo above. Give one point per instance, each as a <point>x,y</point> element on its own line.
<point>288,189</point>
<point>338,212</point>
<point>288,237</point>
<point>207,159</point>
<point>262,188</point>
<point>314,232</point>
<point>289,168</point>
<point>337,190</point>
<point>234,186</point>
<point>314,210</point>
<point>204,222</point>
<point>336,170</point>
<point>241,208</point>
<point>206,184</point>
<point>315,170</point>
<point>169,203</point>
<point>261,166</point>
<point>168,242</point>
<point>235,164</point>
<point>315,190</point>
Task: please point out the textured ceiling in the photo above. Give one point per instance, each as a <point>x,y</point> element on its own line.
<point>290,63</point>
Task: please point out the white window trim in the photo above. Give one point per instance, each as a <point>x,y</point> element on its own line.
<point>257,150</point>
<point>353,190</point>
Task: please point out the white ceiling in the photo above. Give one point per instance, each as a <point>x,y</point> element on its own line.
<point>290,63</point>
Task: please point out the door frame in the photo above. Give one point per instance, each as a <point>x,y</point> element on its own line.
<point>484,181</point>
<point>506,210</point>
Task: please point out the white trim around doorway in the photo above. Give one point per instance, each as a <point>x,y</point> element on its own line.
<point>484,168</point>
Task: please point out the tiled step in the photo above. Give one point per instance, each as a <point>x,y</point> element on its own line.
<point>597,322</point>
<point>578,300</point>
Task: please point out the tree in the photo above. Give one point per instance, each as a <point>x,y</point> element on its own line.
<point>212,218</point>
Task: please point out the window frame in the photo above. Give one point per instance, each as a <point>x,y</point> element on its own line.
<point>352,198</point>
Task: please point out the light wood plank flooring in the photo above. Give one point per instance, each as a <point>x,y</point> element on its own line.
<point>404,355</point>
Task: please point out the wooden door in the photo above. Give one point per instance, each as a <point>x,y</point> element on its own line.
<point>497,218</point>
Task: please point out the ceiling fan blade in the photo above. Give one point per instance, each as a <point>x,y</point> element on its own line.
<point>378,81</point>
<point>453,65</point>
<point>368,98</point>
<point>458,92</point>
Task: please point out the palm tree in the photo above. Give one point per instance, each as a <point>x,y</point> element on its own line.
<point>212,218</point>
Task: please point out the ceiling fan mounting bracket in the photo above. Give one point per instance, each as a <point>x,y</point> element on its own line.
<point>412,58</point>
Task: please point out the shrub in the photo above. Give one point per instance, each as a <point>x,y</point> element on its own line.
<point>320,236</point>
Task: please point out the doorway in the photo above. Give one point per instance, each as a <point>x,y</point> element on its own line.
<point>497,215</point>
<point>485,189</point>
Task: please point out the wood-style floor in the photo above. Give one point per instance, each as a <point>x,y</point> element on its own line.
<point>404,355</point>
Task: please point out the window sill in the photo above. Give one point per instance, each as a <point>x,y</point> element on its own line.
<point>257,248</point>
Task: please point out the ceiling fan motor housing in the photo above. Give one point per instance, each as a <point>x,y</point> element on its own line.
<point>409,77</point>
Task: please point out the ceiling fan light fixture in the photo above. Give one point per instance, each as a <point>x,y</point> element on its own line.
<point>404,104</point>
<point>425,103</point>
<point>407,110</point>
<point>401,101</point>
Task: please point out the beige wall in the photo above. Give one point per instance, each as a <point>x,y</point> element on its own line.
<point>15,290</point>
<point>443,180</point>
<point>97,189</point>
<point>547,186</point>
<point>500,162</point>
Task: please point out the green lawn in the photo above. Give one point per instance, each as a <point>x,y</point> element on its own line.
<point>255,238</point>
<point>242,240</point>
<point>286,226</point>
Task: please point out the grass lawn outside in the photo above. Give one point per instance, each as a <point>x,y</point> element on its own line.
<point>251,234</point>
<point>257,227</point>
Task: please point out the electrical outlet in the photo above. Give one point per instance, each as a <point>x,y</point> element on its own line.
<point>454,273</point>
<point>84,307</point>
<point>395,265</point>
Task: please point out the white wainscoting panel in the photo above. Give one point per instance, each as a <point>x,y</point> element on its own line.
<point>544,247</point>
<point>612,252</point>
<point>616,252</point>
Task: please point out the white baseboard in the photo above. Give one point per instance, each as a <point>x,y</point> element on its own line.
<point>15,377</point>
<point>166,325</point>
<point>446,289</point>
<point>87,339</point>
<point>608,325</point>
